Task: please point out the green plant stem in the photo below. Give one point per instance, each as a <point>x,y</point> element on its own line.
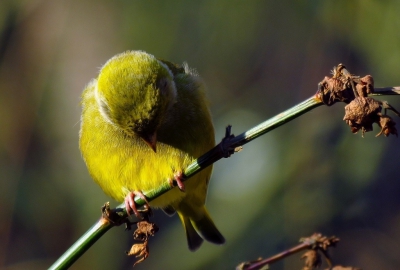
<point>216,153</point>
<point>102,226</point>
<point>82,244</point>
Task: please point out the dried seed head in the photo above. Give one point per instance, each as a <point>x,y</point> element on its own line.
<point>387,126</point>
<point>343,86</point>
<point>332,90</point>
<point>361,113</point>
<point>144,230</point>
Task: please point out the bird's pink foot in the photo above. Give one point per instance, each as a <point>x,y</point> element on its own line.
<point>179,177</point>
<point>130,203</point>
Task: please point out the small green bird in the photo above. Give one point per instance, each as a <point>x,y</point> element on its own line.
<point>144,121</point>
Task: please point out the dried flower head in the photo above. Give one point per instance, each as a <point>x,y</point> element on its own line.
<point>361,113</point>
<point>144,230</point>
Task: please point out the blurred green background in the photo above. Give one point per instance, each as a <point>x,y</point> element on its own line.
<point>257,58</point>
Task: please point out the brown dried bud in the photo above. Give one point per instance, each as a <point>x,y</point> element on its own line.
<point>325,242</point>
<point>332,90</point>
<point>344,86</point>
<point>361,113</point>
<point>364,86</point>
<point>387,126</point>
<point>144,230</point>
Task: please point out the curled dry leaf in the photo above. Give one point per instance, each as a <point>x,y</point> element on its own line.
<point>312,259</point>
<point>140,250</point>
<point>387,126</point>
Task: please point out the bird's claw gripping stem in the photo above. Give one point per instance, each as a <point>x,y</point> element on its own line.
<point>130,204</point>
<point>179,177</point>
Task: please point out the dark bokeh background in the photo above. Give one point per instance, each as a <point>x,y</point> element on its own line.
<point>258,58</point>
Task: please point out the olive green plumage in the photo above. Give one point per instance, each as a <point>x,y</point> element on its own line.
<point>143,120</point>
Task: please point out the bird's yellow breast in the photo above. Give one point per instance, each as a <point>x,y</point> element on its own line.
<point>120,163</point>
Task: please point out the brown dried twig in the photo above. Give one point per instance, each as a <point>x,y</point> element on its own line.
<point>316,243</point>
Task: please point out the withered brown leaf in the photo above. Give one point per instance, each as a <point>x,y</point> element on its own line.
<point>140,250</point>
<point>312,259</point>
<point>387,126</point>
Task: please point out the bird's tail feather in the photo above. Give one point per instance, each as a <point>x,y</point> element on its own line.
<point>193,238</point>
<point>203,227</point>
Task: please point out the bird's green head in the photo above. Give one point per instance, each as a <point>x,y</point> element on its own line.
<point>134,92</point>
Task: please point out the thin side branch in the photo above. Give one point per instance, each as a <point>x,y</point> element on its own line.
<point>386,91</point>
<point>315,242</point>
